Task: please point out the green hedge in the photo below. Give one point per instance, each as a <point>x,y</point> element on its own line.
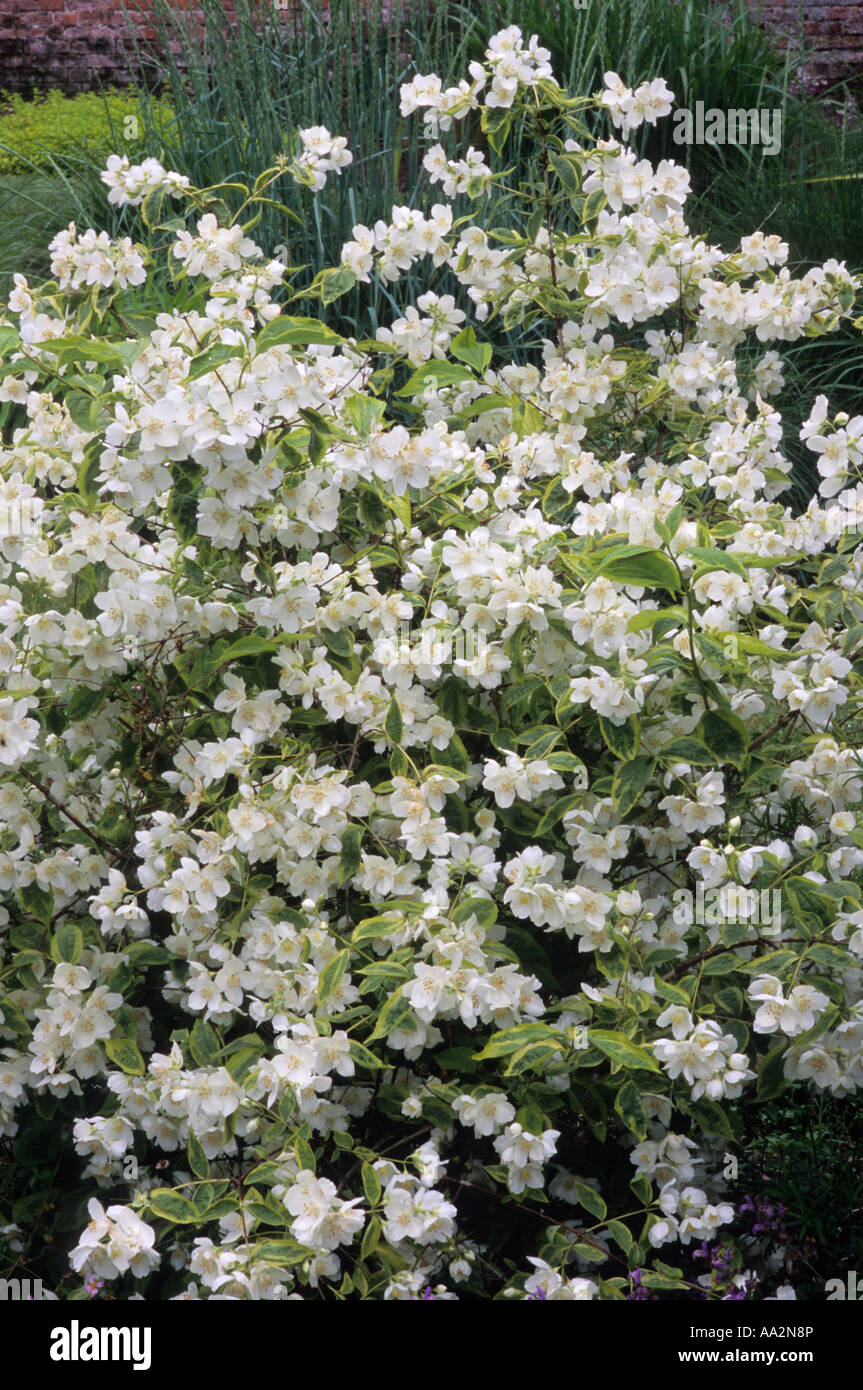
<point>35,133</point>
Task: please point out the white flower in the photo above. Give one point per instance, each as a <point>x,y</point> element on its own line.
<point>113,1243</point>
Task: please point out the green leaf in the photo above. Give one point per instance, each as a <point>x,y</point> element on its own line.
<point>557,811</point>
<point>173,1206</point>
<point>84,702</point>
<point>484,910</point>
<point>457,1059</point>
<point>509,1040</point>
<point>631,1109</point>
<point>305,1154</point>
<point>281,1252</point>
<point>88,471</point>
<point>724,964</point>
<point>565,170</point>
<point>183,502</point>
<point>753,646</point>
<point>622,1235</point>
<point>466,348</point>
<point>662,1281</point>
<point>371,1238</point>
<point>771,964</point>
<point>532,1055</point>
<point>84,409</point>
<point>401,510</point>
<point>629,782</point>
<point>619,1049</point>
<point>204,1044</point>
<point>807,898</point>
<point>593,205</point>
<point>147,953</point>
<point>212,359</point>
<point>715,560</point>
<point>371,1185</point>
<point>395,1011</point>
<point>589,1198</point>
<point>197,1158</point>
<point>296,331</point>
<point>339,643</point>
<point>365,1058</point>
<point>496,122</point>
<point>372,928</point>
<point>435,374</point>
<point>640,565</point>
<point>151,206</point>
<point>125,1054</point>
<point>242,1061</point>
<point>452,701</point>
<point>249,645</point>
<point>710,1117</point>
<point>372,510</point>
<point>364,413</point>
<point>589,1252</point>
<point>688,750</point>
<point>349,860</point>
<point>393,726</point>
<point>623,739</point>
<point>771,1075</point>
<point>332,284</point>
<point>67,943</point>
<point>82,349</point>
<point>649,617</point>
<point>831,957</point>
<point>725,735</point>
<point>37,902</point>
<point>332,974</point>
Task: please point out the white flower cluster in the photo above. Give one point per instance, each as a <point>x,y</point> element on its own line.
<point>230,1275</point>
<point>113,1242</point>
<point>539,891</point>
<point>517,778</point>
<point>214,250</point>
<point>629,109</point>
<point>321,1220</point>
<point>426,330</point>
<point>687,1215</point>
<point>18,732</point>
<point>80,260</point>
<point>524,1154</point>
<point>549,1284</point>
<point>793,1014</point>
<point>391,248</point>
<point>328,728</point>
<point>510,65</point>
<point>834,1061</point>
<point>468,175</point>
<point>321,154</point>
<point>837,442</point>
<point>706,1058</point>
<point>129,184</point>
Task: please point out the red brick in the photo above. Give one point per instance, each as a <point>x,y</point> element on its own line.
<point>60,41</point>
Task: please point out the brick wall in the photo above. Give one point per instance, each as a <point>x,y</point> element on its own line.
<point>74,44</point>
<point>832,34</point>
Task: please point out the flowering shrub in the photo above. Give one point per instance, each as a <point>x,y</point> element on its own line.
<point>374,711</point>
